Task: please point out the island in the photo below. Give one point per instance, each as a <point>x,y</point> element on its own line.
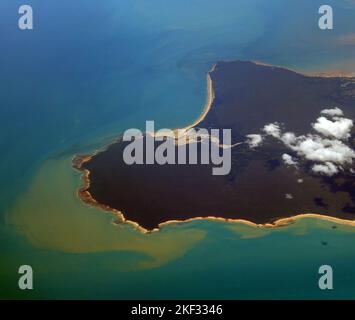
<point>273,114</point>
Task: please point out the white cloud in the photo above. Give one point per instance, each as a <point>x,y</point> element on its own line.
<point>340,128</point>
<point>326,148</point>
<point>289,160</point>
<point>334,112</point>
<point>254,140</point>
<point>317,149</point>
<point>273,129</point>
<point>289,138</point>
<point>327,168</point>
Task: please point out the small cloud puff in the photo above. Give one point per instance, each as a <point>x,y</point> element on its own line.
<point>254,140</point>
<point>273,129</point>
<point>288,160</point>
<point>327,169</point>
<point>334,112</point>
<point>340,128</point>
<point>289,138</point>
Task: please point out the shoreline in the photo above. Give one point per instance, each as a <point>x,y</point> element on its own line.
<point>312,74</point>
<point>78,161</point>
<point>209,102</point>
<point>87,198</point>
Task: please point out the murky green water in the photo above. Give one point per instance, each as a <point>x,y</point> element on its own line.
<point>90,69</point>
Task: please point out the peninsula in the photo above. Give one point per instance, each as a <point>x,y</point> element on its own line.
<point>270,178</point>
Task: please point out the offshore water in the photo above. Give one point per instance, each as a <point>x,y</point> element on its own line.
<point>90,69</point>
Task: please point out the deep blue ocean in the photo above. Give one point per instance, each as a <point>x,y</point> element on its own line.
<point>91,69</point>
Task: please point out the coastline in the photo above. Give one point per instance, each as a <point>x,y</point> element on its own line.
<point>87,198</point>
<point>78,162</point>
<point>209,102</point>
<point>323,74</point>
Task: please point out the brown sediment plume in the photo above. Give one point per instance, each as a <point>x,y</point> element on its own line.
<point>220,114</point>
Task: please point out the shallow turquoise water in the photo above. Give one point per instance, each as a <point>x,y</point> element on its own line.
<point>92,68</point>
<point>283,264</point>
